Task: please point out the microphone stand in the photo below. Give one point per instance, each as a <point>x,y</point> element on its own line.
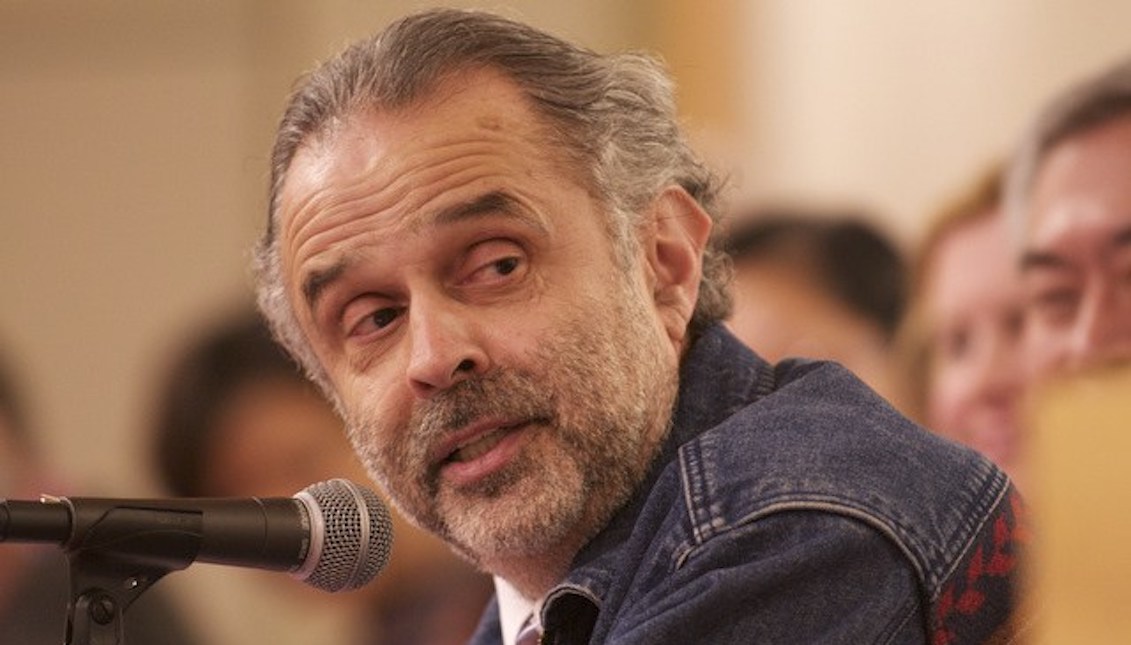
<point>115,563</point>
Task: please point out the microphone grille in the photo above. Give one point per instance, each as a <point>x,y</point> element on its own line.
<point>351,534</point>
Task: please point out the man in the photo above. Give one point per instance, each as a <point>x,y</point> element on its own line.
<point>490,248</point>
<point>1070,199</point>
<point>1071,196</point>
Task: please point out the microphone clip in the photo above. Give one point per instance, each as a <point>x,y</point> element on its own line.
<point>113,565</point>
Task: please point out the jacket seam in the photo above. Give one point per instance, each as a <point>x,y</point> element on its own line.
<point>970,540</point>
<point>830,506</point>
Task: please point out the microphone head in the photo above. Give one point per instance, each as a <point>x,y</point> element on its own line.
<point>350,535</point>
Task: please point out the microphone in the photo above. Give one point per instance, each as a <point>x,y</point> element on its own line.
<point>333,535</point>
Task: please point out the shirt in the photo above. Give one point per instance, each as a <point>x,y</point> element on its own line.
<point>514,609</point>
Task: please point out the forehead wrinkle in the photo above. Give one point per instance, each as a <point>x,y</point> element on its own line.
<point>493,131</point>
<point>491,203</point>
<point>408,193</point>
<point>318,212</point>
<point>334,216</point>
<point>389,191</point>
<point>369,193</point>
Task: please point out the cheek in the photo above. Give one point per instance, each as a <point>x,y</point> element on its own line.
<point>946,399</point>
<point>1042,345</point>
<point>378,401</point>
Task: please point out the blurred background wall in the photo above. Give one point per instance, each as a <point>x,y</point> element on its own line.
<point>134,137</point>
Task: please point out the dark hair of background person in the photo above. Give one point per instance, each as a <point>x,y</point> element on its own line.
<point>14,419</point>
<point>850,258</point>
<point>199,386</point>
<point>425,593</point>
<point>979,201</point>
<point>1089,104</point>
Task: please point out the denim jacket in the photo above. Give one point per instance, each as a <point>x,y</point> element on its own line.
<point>791,504</point>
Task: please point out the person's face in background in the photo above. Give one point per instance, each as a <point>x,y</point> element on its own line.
<point>275,437</point>
<point>1076,263</point>
<point>781,311</point>
<point>973,302</point>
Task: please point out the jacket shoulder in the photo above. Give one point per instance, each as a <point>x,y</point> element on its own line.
<point>822,440</point>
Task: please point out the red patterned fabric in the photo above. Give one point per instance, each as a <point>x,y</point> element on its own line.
<point>986,572</point>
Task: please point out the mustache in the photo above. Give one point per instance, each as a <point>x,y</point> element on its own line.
<point>502,393</point>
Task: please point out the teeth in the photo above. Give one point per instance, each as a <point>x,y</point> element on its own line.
<point>480,446</point>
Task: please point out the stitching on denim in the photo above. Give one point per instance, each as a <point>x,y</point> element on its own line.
<point>915,610</point>
<point>972,536</point>
<point>695,491</point>
<point>830,506</point>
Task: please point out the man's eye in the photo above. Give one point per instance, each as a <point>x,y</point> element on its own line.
<point>502,270</point>
<point>506,266</point>
<point>492,263</point>
<point>384,317</point>
<point>366,318</point>
<point>1055,306</point>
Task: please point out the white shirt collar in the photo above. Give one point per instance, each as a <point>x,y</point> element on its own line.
<point>514,608</point>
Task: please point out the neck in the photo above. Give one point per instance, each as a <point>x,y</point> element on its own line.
<point>534,576</point>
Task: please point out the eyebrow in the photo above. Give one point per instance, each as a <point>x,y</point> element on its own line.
<point>318,280</point>
<point>1031,260</point>
<point>491,203</point>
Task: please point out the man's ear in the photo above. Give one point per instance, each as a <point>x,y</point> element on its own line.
<point>679,230</point>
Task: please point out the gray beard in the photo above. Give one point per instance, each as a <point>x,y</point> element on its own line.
<point>600,405</point>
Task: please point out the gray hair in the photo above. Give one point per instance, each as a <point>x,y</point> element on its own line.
<point>1094,102</point>
<point>614,117</point>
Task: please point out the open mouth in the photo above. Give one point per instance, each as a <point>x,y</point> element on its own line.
<point>480,445</point>
<point>484,448</point>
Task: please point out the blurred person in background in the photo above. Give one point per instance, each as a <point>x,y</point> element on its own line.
<point>818,284</point>
<point>962,337</point>
<point>237,418</point>
<point>34,582</point>
<point>1070,197</point>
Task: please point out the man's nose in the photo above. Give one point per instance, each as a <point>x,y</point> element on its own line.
<point>1103,329</point>
<point>446,347</point>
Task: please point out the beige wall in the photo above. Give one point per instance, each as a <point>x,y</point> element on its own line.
<point>129,194</point>
<point>896,105</point>
<point>133,140</point>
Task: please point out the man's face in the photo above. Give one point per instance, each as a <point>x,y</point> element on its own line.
<point>1077,258</point>
<point>503,376</point>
